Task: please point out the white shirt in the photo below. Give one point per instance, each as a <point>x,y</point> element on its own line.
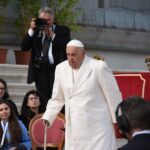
<point>141,132</point>
<point>74,74</point>
<point>50,55</point>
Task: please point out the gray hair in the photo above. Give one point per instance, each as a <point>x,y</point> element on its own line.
<point>47,10</point>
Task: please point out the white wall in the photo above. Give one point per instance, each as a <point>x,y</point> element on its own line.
<point>122,60</point>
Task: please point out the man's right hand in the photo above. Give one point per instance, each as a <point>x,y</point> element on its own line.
<point>46,123</point>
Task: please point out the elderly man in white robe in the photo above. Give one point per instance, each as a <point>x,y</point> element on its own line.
<point>90,93</point>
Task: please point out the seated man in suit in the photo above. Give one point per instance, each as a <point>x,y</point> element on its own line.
<point>133,118</point>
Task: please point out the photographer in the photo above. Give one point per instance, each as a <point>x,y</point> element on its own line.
<point>47,42</point>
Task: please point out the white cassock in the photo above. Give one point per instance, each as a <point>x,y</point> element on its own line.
<point>90,103</point>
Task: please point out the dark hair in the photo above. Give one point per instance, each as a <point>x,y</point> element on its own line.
<point>6,95</point>
<point>24,107</point>
<point>14,127</point>
<point>137,112</point>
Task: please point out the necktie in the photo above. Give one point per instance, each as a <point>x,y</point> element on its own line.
<point>46,45</point>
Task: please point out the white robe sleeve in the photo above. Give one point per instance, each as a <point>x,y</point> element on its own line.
<point>56,103</point>
<point>109,87</point>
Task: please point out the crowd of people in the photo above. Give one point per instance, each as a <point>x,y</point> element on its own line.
<point>132,115</point>
<point>13,133</point>
<point>32,105</point>
<point>65,76</point>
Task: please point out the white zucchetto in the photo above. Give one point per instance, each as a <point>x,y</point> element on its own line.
<point>76,43</point>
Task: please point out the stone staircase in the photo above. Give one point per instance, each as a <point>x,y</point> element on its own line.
<point>16,77</point>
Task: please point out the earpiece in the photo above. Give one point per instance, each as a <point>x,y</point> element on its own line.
<point>123,123</point>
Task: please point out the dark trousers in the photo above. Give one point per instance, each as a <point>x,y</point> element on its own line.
<point>44,85</point>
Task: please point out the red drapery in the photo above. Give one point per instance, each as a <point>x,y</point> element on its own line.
<point>133,84</point>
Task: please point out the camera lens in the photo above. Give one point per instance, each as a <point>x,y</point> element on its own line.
<point>40,23</point>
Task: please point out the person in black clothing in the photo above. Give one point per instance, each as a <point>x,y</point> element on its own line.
<point>30,107</point>
<point>47,42</point>
<point>5,95</point>
<point>133,118</point>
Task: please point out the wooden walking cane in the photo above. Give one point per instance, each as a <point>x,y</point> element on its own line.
<point>45,137</point>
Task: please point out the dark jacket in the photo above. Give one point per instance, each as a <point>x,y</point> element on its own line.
<point>35,45</point>
<point>139,142</point>
<point>14,107</point>
<point>26,118</point>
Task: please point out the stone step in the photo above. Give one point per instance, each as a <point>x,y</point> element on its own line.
<point>20,87</point>
<point>13,68</point>
<point>121,142</point>
<point>14,77</point>
<point>17,97</point>
<point>18,106</point>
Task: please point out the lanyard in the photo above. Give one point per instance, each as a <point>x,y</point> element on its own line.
<point>4,127</point>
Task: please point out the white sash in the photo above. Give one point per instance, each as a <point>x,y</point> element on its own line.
<point>4,127</point>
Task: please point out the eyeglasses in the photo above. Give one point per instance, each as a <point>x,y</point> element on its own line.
<point>32,98</point>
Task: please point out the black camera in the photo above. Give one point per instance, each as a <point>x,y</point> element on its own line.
<point>41,63</point>
<point>40,23</point>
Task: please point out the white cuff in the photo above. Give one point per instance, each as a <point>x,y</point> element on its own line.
<point>30,32</point>
<point>53,36</point>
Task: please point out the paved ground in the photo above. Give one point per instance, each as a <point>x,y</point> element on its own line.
<point>121,142</point>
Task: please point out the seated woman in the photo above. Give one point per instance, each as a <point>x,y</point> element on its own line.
<point>13,133</point>
<point>5,95</point>
<point>30,107</point>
